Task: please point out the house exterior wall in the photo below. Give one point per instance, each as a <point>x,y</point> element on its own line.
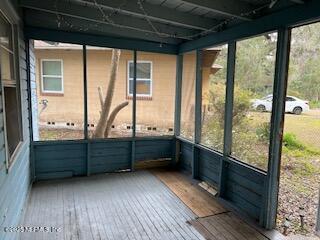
<point>15,181</point>
<point>155,110</point>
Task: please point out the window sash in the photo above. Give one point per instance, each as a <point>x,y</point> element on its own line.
<point>141,94</point>
<point>140,79</point>
<point>43,76</point>
<point>9,49</point>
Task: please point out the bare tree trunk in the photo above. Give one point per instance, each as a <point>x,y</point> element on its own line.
<point>112,116</point>
<point>102,124</point>
<point>100,97</point>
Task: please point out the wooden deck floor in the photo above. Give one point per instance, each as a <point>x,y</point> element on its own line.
<point>115,206</point>
<point>126,206</point>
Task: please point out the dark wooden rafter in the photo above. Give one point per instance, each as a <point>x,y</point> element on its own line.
<point>126,24</point>
<point>35,18</point>
<point>131,9</point>
<point>227,8</point>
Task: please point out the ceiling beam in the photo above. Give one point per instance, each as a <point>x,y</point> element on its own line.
<point>116,20</point>
<point>49,20</point>
<point>308,12</point>
<point>228,8</point>
<point>156,13</point>
<point>97,40</point>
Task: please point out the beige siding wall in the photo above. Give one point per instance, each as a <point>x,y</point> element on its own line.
<point>69,106</point>
<point>154,111</point>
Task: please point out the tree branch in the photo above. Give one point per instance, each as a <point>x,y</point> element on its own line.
<point>112,116</point>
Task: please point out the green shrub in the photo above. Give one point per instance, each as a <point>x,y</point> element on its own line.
<point>314,104</point>
<point>291,142</point>
<point>263,131</point>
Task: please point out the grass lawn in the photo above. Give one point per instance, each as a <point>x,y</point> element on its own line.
<point>305,126</point>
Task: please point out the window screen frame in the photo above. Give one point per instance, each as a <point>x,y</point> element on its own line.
<point>140,79</point>
<point>52,76</point>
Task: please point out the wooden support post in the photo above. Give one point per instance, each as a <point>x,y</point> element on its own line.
<point>85,91</point>
<point>268,218</point>
<point>134,108</point>
<point>177,111</point>
<point>228,117</point>
<point>85,106</point>
<point>197,115</point>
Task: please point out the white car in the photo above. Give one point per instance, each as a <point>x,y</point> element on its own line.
<point>293,104</point>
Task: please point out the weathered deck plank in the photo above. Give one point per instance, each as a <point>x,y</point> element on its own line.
<point>114,206</point>
<point>226,226</point>
<point>197,200</point>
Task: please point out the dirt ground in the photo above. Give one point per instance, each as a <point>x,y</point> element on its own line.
<point>300,177</point>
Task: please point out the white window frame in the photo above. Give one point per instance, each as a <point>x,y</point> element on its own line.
<point>140,79</point>
<point>14,82</point>
<point>56,76</point>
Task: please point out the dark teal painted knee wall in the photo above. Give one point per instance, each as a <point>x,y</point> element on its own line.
<point>244,185</point>
<point>69,158</point>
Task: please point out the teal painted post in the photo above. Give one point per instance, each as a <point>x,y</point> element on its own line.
<point>134,110</point>
<point>85,92</point>
<point>197,119</point>
<point>177,111</point>
<point>85,105</point>
<point>227,140</point>
<point>268,218</point>
<point>32,159</point>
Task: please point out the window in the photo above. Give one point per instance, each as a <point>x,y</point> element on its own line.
<point>156,117</point>
<point>117,123</point>
<point>144,78</point>
<point>252,104</point>
<point>10,89</point>
<point>52,76</point>
<point>188,95</point>
<point>59,72</point>
<point>214,74</point>
<point>290,99</point>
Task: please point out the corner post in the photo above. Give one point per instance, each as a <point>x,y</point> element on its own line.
<point>228,117</point>
<point>177,111</point>
<point>197,115</point>
<point>85,106</point>
<point>268,218</point>
<point>134,108</point>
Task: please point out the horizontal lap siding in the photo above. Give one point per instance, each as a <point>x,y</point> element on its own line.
<point>245,188</point>
<point>153,149</point>
<point>14,185</point>
<point>110,156</point>
<point>186,156</point>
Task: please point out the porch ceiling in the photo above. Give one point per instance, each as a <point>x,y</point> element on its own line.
<point>162,21</point>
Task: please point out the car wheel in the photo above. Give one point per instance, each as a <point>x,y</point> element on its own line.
<point>297,110</point>
<point>261,108</point>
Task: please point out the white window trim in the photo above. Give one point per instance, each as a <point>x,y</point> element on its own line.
<point>11,160</point>
<point>56,76</point>
<point>140,79</point>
